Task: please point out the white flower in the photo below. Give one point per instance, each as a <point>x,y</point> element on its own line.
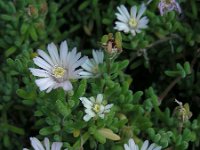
<point>131,22</point>
<point>37,145</point>
<point>132,146</point>
<point>57,69</point>
<point>94,107</point>
<point>91,66</point>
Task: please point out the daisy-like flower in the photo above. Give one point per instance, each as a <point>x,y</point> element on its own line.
<point>94,107</point>
<point>132,146</point>
<point>57,69</point>
<point>168,5</point>
<point>91,66</point>
<point>37,145</point>
<point>131,22</point>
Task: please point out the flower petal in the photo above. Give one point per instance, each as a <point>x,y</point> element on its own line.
<point>141,11</point>
<point>63,52</point>
<point>145,145</point>
<point>52,49</point>
<point>45,56</point>
<point>44,83</point>
<point>122,9</point>
<point>36,144</point>
<point>46,144</point>
<point>133,11</point>
<point>87,117</point>
<point>56,145</point>
<point>39,72</point>
<point>99,98</point>
<point>42,64</point>
<point>66,85</point>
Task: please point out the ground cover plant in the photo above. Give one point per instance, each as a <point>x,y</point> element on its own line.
<point>99,75</point>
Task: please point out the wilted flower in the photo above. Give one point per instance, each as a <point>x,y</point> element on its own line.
<point>94,107</point>
<point>131,22</point>
<point>132,146</point>
<point>168,5</point>
<point>37,145</point>
<point>91,66</point>
<point>112,45</point>
<point>57,69</point>
<point>183,111</point>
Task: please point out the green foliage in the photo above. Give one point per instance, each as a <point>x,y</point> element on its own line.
<point>141,79</point>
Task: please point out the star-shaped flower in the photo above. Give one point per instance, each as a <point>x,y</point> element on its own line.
<point>131,22</point>
<point>94,107</point>
<point>57,68</point>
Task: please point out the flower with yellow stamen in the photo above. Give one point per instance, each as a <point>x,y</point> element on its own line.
<point>95,107</point>
<point>131,22</point>
<point>58,68</point>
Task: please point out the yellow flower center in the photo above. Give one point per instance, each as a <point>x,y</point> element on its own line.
<point>95,69</point>
<point>132,22</point>
<point>168,1</point>
<point>58,72</point>
<point>96,108</point>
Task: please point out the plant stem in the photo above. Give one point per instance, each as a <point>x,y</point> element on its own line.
<point>175,81</point>
<point>173,36</point>
<point>168,89</point>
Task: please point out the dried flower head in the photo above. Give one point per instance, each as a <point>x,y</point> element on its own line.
<point>112,45</point>
<point>183,111</point>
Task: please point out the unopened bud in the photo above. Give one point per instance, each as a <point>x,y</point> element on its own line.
<point>183,111</point>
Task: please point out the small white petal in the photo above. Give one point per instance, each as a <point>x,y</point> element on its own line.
<point>79,62</point>
<point>101,116</point>
<point>63,52</point>
<point>133,32</point>
<point>66,85</point>
<point>145,145</point>
<point>126,147</point>
<point>143,23</point>
<point>39,72</point>
<point>133,11</point>
<point>87,117</point>
<point>122,9</point>
<point>121,17</point>
<point>132,144</point>
<point>86,103</point>
<point>90,112</point>
<point>56,146</point>
<point>122,26</point>
<point>36,144</point>
<point>152,146</point>
<point>46,144</point>
<point>86,74</point>
<point>42,64</point>
<point>99,98</point>
<point>44,83</point>
<point>52,49</point>
<point>95,56</point>
<point>141,11</point>
<point>45,56</point>
<point>158,148</point>
<point>87,65</point>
